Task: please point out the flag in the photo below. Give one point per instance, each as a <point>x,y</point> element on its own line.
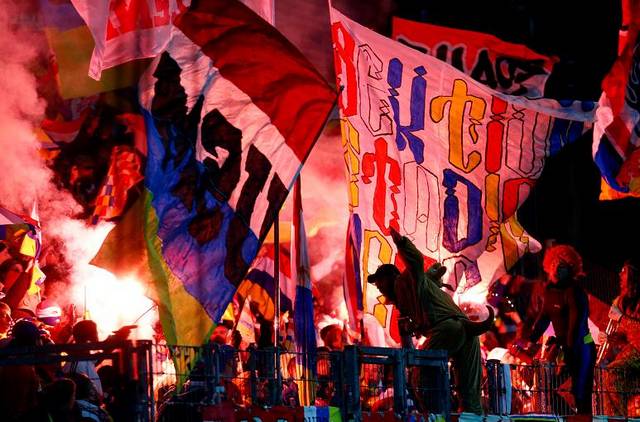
<point>265,8</point>
<point>70,115</point>
<point>25,233</point>
<point>322,414</point>
<point>246,324</point>
<point>224,147</point>
<point>127,30</point>
<point>506,67</point>
<point>616,134</point>
<point>352,287</point>
<point>32,242</point>
<point>9,218</point>
<point>22,231</point>
<point>125,171</point>
<point>62,131</point>
<point>260,286</point>
<point>137,29</point>
<point>72,44</point>
<point>439,157</point>
<point>305,332</point>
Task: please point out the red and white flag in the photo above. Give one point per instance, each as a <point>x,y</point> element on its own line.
<point>231,110</point>
<point>125,30</point>
<point>506,67</point>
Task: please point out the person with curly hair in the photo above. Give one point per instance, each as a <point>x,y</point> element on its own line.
<point>566,306</point>
<point>623,353</point>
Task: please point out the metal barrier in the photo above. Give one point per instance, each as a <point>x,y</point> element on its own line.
<point>545,388</point>
<point>359,379</point>
<point>173,383</point>
<point>130,384</point>
<point>617,392</point>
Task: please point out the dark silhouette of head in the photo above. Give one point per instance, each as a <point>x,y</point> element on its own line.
<point>85,331</point>
<point>384,279</point>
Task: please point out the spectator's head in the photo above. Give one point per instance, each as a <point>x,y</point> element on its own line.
<point>60,396</point>
<point>332,337</point>
<point>85,331</point>
<point>220,334</point>
<point>5,319</point>
<point>25,333</point>
<point>49,313</point>
<point>384,279</point>
<point>562,262</point>
<point>108,377</point>
<point>85,390</point>
<point>630,279</point>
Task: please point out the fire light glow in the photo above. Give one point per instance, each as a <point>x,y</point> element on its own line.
<point>113,303</point>
<point>110,302</point>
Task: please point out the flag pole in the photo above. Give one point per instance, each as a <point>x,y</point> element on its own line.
<point>276,276</point>
<point>276,317</point>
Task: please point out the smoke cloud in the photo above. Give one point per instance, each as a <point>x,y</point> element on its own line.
<point>68,243</point>
<point>326,214</point>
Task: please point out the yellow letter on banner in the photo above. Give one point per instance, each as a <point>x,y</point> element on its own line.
<point>383,255</point>
<point>351,147</point>
<point>458,103</point>
<point>513,239</point>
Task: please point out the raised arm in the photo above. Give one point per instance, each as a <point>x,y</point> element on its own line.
<point>412,257</point>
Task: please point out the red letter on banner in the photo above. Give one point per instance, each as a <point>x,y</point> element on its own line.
<point>511,195</point>
<point>377,164</point>
<point>495,131</point>
<point>343,53</point>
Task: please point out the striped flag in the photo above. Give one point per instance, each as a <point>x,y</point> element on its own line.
<point>616,133</point>
<point>305,333</point>
<point>260,286</point>
<point>70,40</point>
<point>351,282</point>
<point>136,29</point>
<point>63,131</point>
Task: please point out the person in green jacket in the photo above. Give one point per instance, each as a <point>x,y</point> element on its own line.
<point>432,313</point>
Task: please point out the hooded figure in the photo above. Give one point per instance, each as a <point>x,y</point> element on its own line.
<point>431,312</point>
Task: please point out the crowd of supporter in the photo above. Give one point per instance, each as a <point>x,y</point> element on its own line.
<point>526,329</point>
<point>76,388</point>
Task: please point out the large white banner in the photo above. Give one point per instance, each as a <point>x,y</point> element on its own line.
<point>440,157</point>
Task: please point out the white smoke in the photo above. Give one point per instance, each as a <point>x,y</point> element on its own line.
<point>26,179</point>
<point>326,214</point>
